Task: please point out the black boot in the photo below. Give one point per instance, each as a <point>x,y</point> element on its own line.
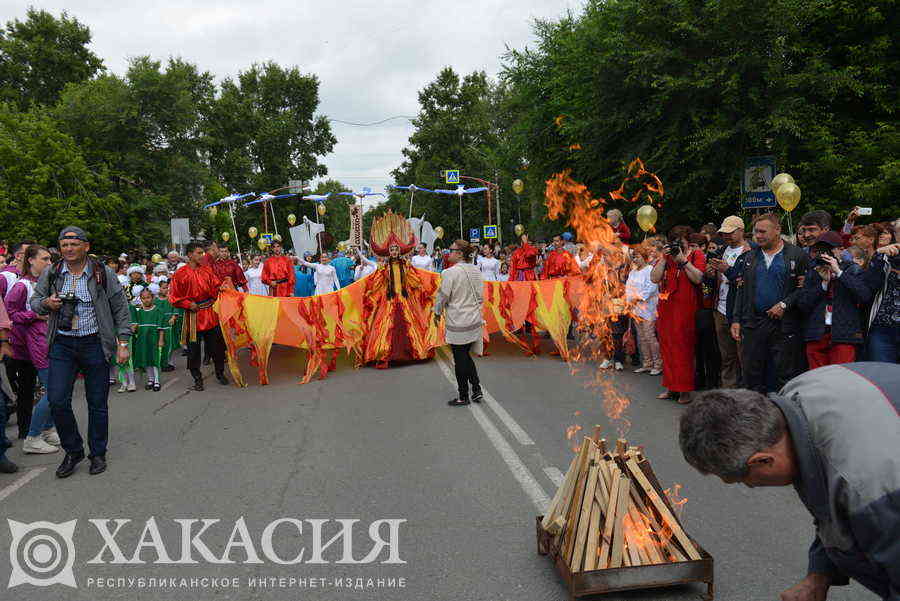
<point>69,464</point>
<point>222,379</point>
<point>198,379</point>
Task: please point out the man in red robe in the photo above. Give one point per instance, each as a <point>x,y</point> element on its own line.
<point>228,269</point>
<point>195,288</point>
<point>559,262</point>
<point>278,272</point>
<point>523,261</point>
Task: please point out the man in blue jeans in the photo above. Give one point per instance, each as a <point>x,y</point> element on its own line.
<point>89,327</point>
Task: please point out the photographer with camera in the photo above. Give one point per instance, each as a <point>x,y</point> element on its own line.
<point>833,297</point>
<point>679,274</point>
<point>883,278</point>
<point>88,328</point>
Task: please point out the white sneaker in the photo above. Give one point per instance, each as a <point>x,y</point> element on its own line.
<point>132,387</point>
<point>655,372</point>
<point>606,364</point>
<point>34,445</point>
<point>122,388</point>
<point>619,366</point>
<point>50,436</point>
<point>642,370</point>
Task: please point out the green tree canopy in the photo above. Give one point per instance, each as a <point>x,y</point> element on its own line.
<point>40,55</point>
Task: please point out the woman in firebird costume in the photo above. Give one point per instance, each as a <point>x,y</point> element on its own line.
<point>398,299</point>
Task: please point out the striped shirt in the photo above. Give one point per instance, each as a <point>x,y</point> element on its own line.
<point>84,308</point>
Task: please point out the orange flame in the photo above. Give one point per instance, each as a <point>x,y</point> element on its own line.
<point>676,500</point>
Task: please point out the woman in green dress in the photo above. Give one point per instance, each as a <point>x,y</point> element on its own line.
<point>149,322</point>
<point>173,323</point>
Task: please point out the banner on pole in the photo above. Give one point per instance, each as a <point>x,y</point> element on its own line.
<point>181,230</point>
<point>356,226</point>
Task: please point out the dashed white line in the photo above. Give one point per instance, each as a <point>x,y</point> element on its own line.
<point>555,475</point>
<point>518,468</point>
<point>512,425</point>
<point>22,481</point>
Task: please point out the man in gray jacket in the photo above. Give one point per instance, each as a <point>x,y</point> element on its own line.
<point>834,434</point>
<point>88,328</point>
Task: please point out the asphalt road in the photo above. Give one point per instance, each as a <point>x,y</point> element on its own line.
<point>368,445</point>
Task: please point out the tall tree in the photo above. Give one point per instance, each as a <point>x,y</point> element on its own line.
<point>263,130</point>
<point>40,55</point>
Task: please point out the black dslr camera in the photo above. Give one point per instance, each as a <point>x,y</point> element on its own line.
<point>67,311</point>
<point>673,248</point>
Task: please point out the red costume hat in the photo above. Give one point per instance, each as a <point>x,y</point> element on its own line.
<point>391,229</point>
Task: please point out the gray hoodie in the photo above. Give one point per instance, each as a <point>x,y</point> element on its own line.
<point>844,421</point>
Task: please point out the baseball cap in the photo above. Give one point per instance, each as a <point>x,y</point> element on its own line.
<point>832,239</point>
<point>732,223</point>
<point>73,232</point>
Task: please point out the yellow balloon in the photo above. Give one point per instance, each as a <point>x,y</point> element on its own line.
<point>321,208</point>
<point>292,219</point>
<point>253,232</point>
<point>778,180</point>
<point>226,236</point>
<point>341,246</point>
<point>439,232</point>
<point>213,211</point>
<point>277,237</point>
<point>519,229</point>
<point>518,186</point>
<point>261,244</point>
<point>646,217</point>
<point>156,258</point>
<point>788,196</point>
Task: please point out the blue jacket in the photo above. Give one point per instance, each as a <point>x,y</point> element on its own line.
<point>851,295</point>
<point>344,267</point>
<point>844,422</point>
<point>304,284</point>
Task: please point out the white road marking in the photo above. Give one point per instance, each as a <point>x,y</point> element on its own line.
<point>519,470</point>
<point>555,475</point>
<point>169,383</point>
<point>520,434</point>
<point>22,481</point>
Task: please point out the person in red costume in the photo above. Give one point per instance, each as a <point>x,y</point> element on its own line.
<point>523,261</point>
<point>278,272</point>
<point>559,262</point>
<point>195,288</point>
<point>228,269</point>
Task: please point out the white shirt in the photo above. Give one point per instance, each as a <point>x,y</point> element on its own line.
<point>422,262</point>
<point>254,281</point>
<point>325,277</point>
<point>642,292</point>
<point>584,263</point>
<point>730,255</point>
<point>461,299</point>
<point>490,268</point>
<point>503,277</point>
<point>365,267</point>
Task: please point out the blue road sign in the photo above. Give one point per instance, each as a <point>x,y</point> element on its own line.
<point>452,176</point>
<point>755,182</point>
<point>490,231</point>
<point>475,234</point>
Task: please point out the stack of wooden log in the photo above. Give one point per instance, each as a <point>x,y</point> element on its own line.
<point>610,512</point>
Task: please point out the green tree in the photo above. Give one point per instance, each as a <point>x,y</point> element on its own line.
<point>678,84</point>
<point>45,185</point>
<point>40,55</point>
<point>263,130</point>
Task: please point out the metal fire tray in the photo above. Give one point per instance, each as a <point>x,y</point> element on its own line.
<point>597,582</point>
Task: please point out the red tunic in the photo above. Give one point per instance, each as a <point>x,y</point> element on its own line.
<point>522,263</point>
<point>623,231</point>
<point>679,300</point>
<point>558,264</point>
<point>228,269</point>
<point>198,285</point>
<point>278,272</point>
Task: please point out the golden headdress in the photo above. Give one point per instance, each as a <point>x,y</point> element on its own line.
<point>389,229</point>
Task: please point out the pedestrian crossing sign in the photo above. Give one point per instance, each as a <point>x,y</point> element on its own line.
<point>490,231</point>
<point>267,238</point>
<point>452,176</point>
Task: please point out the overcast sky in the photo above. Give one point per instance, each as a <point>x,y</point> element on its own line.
<point>371,57</point>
